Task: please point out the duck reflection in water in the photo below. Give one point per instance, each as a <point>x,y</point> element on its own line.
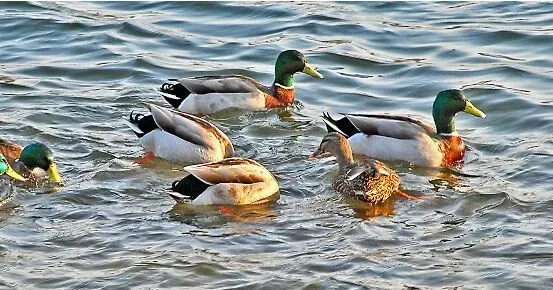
<point>365,210</point>
<point>204,215</point>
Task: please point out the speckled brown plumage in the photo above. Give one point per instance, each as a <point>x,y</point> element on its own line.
<point>371,185</point>
<point>371,181</point>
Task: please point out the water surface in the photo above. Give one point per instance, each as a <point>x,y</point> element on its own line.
<point>69,73</point>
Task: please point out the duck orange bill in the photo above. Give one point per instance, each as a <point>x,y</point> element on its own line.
<point>319,154</point>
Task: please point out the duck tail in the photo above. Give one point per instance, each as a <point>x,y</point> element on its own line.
<point>190,187</point>
<point>132,122</point>
<point>177,196</point>
<point>136,118</point>
<point>343,126</point>
<point>332,125</point>
<point>174,94</point>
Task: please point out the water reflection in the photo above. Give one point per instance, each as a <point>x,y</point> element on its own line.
<point>217,215</point>
<point>367,210</point>
<point>7,204</point>
<point>7,193</point>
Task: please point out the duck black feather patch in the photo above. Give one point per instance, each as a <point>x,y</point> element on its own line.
<point>145,123</point>
<point>189,186</point>
<point>177,90</point>
<point>344,125</point>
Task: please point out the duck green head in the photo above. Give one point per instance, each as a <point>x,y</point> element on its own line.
<point>6,169</point>
<point>447,104</point>
<point>38,155</point>
<point>290,62</point>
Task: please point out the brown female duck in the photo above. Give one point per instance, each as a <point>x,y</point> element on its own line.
<point>370,181</point>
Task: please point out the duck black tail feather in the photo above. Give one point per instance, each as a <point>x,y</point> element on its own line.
<point>141,124</point>
<point>188,187</point>
<point>176,93</point>
<point>328,119</point>
<point>136,118</point>
<point>343,126</point>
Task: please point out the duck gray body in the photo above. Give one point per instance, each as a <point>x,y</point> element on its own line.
<point>205,95</point>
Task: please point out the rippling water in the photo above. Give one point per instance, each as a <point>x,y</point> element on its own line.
<point>69,72</point>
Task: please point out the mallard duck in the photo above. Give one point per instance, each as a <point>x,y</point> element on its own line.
<point>34,162</point>
<point>391,137</point>
<point>210,94</point>
<point>235,181</point>
<point>5,168</point>
<point>179,137</point>
<point>371,181</point>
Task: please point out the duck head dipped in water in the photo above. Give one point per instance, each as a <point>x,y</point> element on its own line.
<point>234,181</point>
<point>35,162</point>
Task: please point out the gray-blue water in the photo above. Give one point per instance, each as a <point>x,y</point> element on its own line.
<point>69,72</point>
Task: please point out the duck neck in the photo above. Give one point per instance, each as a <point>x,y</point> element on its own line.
<point>344,156</point>
<point>444,121</point>
<point>284,79</point>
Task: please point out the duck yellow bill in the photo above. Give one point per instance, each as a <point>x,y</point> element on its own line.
<point>471,109</point>
<point>308,69</point>
<point>53,173</point>
<point>11,173</point>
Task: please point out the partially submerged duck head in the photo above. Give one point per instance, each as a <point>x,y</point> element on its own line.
<point>38,155</point>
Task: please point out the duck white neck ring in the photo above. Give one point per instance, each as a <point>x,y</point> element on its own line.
<point>284,87</point>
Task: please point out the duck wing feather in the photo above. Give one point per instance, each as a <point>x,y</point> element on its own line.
<point>230,170</point>
<point>399,127</point>
<point>190,128</point>
<point>222,84</point>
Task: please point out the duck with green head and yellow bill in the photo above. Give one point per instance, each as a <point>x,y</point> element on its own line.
<point>6,169</point>
<point>397,137</point>
<point>205,95</point>
<point>35,162</point>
